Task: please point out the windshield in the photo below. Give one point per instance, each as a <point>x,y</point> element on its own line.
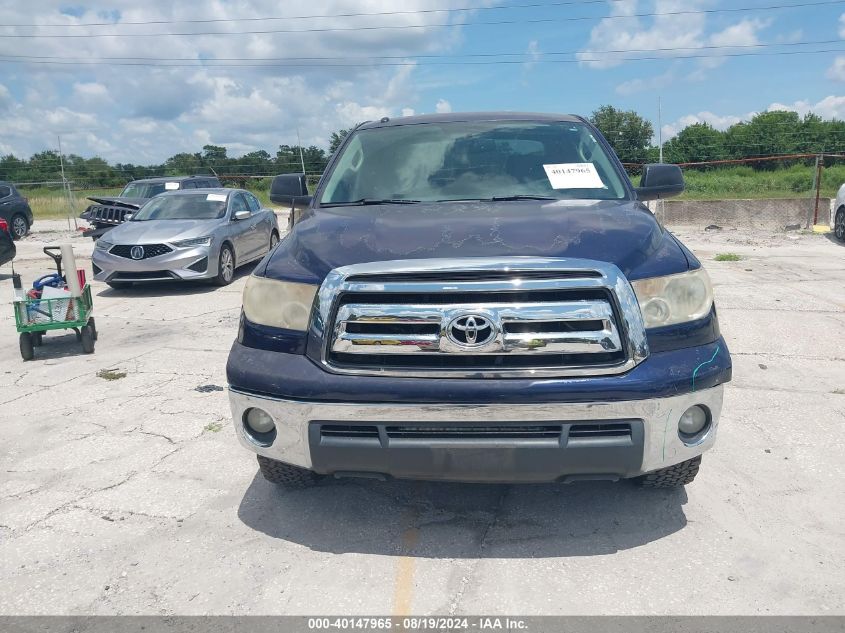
<point>473,161</point>
<point>143,190</point>
<point>183,207</point>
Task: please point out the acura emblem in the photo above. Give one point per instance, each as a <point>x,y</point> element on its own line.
<point>471,330</point>
<point>137,252</point>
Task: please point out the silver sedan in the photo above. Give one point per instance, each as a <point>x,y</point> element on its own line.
<point>187,234</point>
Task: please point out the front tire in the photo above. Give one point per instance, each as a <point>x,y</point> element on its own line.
<point>274,240</point>
<point>281,474</point>
<point>839,225</point>
<point>673,476</point>
<point>19,226</point>
<point>27,349</point>
<point>225,266</point>
<point>86,336</point>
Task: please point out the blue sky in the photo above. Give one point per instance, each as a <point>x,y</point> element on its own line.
<point>144,114</point>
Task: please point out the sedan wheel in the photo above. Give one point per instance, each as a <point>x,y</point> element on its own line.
<point>226,266</point>
<point>274,240</point>
<point>19,227</point>
<point>839,226</point>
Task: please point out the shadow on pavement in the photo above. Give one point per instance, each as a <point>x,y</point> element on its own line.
<point>447,520</point>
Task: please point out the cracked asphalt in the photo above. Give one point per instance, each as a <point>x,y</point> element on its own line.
<point>131,496</point>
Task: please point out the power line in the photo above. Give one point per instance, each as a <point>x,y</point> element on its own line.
<point>531,5</point>
<point>443,24</point>
<point>3,59</point>
<point>523,54</point>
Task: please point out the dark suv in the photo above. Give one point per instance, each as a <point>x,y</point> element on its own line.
<point>14,208</point>
<point>107,213</point>
<point>479,297</point>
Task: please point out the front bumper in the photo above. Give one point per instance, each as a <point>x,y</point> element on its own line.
<point>653,442</point>
<point>171,266</point>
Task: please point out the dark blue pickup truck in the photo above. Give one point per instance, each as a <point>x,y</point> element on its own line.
<point>481,298</point>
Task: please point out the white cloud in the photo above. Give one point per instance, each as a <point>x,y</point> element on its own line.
<point>140,114</point>
<point>714,120</point>
<point>831,107</point>
<point>533,53</point>
<point>842,25</point>
<point>663,33</point>
<point>443,106</point>
<point>837,69</point>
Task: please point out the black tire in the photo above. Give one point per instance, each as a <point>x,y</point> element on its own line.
<point>282,474</point>
<point>37,339</point>
<point>93,325</point>
<point>18,226</point>
<point>673,476</point>
<point>27,350</point>
<point>225,266</point>
<point>119,285</point>
<point>274,240</point>
<point>86,336</point>
<point>839,224</point>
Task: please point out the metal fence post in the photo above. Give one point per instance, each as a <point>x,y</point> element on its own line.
<point>819,168</point>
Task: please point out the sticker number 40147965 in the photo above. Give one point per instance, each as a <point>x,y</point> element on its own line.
<point>574,176</point>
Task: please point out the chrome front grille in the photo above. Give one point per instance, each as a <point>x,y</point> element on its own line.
<point>478,318</point>
<point>556,327</point>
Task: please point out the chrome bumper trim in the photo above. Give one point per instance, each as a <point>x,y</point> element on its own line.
<point>663,447</point>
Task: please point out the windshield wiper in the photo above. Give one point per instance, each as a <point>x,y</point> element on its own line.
<point>520,197</point>
<point>370,201</point>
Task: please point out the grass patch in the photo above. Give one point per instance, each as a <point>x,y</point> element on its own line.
<point>727,257</point>
<point>213,427</point>
<point>111,374</point>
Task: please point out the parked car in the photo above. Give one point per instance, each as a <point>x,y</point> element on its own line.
<point>839,216</point>
<point>108,212</point>
<point>479,297</point>
<point>15,210</point>
<point>186,235</point>
<point>7,243</point>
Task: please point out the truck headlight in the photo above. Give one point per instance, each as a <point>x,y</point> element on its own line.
<point>675,298</point>
<point>278,304</point>
<point>197,241</point>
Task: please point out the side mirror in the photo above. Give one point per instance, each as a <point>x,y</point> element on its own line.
<point>660,181</point>
<point>241,215</point>
<point>290,189</point>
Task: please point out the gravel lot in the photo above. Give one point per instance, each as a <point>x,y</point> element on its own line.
<point>131,496</point>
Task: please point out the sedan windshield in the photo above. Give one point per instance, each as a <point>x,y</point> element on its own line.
<point>485,160</point>
<point>183,207</point>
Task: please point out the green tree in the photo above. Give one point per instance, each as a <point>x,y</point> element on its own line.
<point>337,138</point>
<point>695,143</point>
<point>628,133</point>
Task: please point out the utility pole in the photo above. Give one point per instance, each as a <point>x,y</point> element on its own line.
<point>299,143</point>
<point>66,187</point>
<point>660,125</point>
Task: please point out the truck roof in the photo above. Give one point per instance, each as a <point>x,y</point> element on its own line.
<point>453,117</point>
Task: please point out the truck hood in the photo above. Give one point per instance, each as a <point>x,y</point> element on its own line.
<point>624,233</point>
<point>129,203</point>
<point>158,231</point>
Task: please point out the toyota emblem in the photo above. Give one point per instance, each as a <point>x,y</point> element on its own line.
<point>137,252</point>
<point>471,330</point>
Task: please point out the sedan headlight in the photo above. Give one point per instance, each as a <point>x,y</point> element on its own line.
<point>197,241</point>
<point>674,298</point>
<point>102,245</point>
<point>278,304</point>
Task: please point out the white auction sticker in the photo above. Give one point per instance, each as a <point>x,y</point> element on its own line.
<point>574,176</point>
<point>216,197</point>
<point>171,186</point>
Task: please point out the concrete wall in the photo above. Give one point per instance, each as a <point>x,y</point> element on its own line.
<point>771,214</point>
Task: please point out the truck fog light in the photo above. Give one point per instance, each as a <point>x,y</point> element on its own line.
<point>259,421</point>
<point>693,423</point>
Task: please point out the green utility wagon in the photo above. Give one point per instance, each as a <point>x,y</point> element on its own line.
<point>35,317</point>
